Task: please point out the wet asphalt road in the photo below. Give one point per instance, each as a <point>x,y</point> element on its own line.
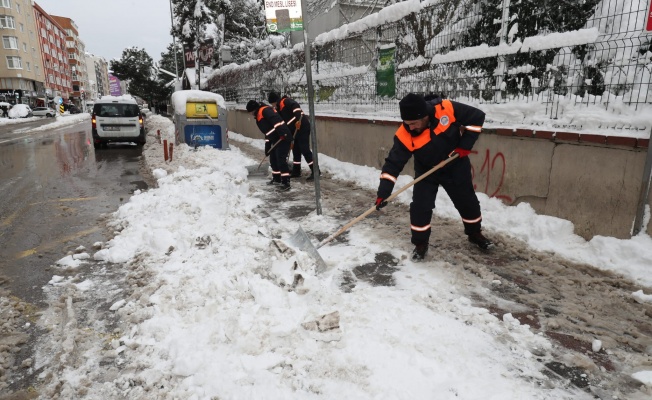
<point>55,188</point>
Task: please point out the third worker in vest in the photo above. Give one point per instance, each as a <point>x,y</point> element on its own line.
<point>299,126</point>
<point>432,131</point>
<point>277,141</point>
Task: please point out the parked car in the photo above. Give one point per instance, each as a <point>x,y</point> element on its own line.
<point>43,112</point>
<point>71,108</point>
<point>117,119</point>
<point>20,111</point>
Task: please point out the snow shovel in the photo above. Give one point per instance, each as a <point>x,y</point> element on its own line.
<point>255,170</point>
<point>301,240</point>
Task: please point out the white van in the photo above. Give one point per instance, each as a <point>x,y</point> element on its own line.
<point>117,119</point>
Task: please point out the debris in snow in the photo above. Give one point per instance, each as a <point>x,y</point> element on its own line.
<point>85,285</point>
<point>324,323</point>
<point>80,249</point>
<point>117,305</point>
<point>597,345</point>
<point>81,256</point>
<point>510,319</point>
<point>642,297</point>
<point>56,279</point>
<point>159,173</point>
<point>644,377</point>
<point>97,245</point>
<point>69,262</point>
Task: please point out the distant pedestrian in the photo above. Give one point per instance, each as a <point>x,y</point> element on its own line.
<point>277,141</point>
<point>299,126</point>
<point>433,131</point>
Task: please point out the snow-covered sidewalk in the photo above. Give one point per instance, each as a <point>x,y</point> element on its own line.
<point>217,311</point>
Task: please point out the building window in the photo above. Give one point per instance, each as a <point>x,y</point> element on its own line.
<point>38,73</point>
<point>18,8</point>
<point>7,22</point>
<point>28,66</point>
<point>43,32</point>
<point>10,42</point>
<point>5,3</point>
<point>22,27</point>
<point>14,62</point>
<point>25,47</point>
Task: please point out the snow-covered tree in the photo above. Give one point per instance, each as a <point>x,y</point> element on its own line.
<point>234,23</point>
<point>135,66</point>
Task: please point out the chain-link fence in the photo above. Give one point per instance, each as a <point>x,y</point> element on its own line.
<point>548,52</point>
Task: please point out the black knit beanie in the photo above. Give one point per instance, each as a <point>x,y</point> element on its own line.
<point>412,107</point>
<point>273,97</point>
<point>252,105</point>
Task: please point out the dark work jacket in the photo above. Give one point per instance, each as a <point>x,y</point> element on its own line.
<point>434,144</point>
<point>291,112</point>
<point>271,124</point>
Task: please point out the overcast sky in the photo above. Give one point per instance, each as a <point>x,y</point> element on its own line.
<point>108,27</point>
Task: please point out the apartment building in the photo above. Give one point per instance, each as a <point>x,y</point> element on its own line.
<point>76,59</point>
<point>98,77</point>
<point>52,38</point>
<point>22,78</point>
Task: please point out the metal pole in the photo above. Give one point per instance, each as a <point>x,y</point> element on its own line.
<point>499,72</point>
<point>174,42</point>
<point>311,107</point>
<point>645,190</point>
<point>197,59</point>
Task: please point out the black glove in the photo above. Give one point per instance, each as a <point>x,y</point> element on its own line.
<point>380,203</point>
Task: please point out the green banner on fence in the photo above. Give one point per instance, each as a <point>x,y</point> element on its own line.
<point>385,80</point>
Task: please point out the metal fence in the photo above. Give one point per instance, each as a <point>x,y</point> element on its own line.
<point>548,52</point>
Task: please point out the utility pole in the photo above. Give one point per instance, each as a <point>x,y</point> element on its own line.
<point>311,106</point>
<point>174,42</point>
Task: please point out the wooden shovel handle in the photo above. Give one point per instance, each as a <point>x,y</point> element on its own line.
<point>267,154</point>
<point>390,198</point>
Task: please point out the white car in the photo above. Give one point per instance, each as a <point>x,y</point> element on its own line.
<point>43,112</point>
<point>117,119</point>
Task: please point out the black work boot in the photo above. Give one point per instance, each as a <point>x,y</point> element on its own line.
<point>312,173</point>
<point>479,240</point>
<point>296,171</point>
<point>276,180</point>
<point>419,252</point>
<point>285,184</point>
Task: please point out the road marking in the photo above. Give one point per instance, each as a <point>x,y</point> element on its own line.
<point>64,200</point>
<point>10,219</point>
<point>14,139</point>
<point>54,243</point>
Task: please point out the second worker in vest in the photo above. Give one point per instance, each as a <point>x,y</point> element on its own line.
<point>277,140</point>
<point>433,131</point>
<point>299,126</point>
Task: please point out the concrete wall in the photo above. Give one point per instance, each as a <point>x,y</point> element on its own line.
<point>592,181</point>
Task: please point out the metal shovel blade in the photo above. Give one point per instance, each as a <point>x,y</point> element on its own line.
<point>255,170</point>
<point>301,241</point>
